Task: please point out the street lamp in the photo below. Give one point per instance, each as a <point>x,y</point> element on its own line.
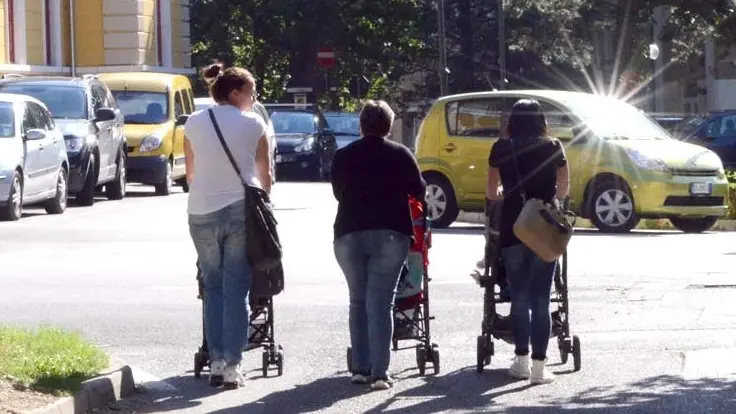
<point>443,71</point>
<point>501,45</point>
<point>653,56</point>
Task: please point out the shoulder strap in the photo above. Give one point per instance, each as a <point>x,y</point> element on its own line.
<point>518,174</point>
<point>226,148</point>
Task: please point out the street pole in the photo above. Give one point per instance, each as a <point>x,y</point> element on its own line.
<point>442,45</point>
<point>501,45</point>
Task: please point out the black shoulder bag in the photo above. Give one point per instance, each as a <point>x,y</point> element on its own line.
<point>263,247</point>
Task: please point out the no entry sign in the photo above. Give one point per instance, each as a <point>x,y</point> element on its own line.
<point>326,57</point>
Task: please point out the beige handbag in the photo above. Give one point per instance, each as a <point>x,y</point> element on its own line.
<point>541,226</point>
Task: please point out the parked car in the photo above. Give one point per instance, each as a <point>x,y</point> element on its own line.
<point>668,122</point>
<point>345,125</point>
<point>715,131</point>
<point>206,103</point>
<point>155,107</point>
<point>92,125</point>
<point>34,166</point>
<point>623,166</point>
<point>306,145</point>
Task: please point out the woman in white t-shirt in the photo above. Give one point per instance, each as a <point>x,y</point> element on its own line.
<point>216,210</point>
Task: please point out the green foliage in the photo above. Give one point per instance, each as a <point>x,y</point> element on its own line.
<point>731,194</point>
<point>48,360</point>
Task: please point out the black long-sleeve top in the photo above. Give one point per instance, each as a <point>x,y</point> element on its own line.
<point>372,179</point>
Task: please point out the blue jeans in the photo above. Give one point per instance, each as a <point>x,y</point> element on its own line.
<point>372,261</point>
<point>530,282</point>
<point>219,239</point>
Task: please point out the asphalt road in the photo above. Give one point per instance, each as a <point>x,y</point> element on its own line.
<point>655,312</point>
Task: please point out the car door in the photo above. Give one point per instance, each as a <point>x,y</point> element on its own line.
<point>117,125</point>
<point>473,126</point>
<point>719,136</point>
<point>49,149</point>
<point>179,165</point>
<point>33,181</point>
<point>104,136</point>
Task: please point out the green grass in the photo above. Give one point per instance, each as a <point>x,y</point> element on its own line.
<point>48,360</point>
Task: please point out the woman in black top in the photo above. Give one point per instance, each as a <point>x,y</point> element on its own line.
<point>542,167</point>
<point>372,179</point>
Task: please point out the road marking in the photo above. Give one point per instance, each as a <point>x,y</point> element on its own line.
<point>709,363</point>
<point>150,382</point>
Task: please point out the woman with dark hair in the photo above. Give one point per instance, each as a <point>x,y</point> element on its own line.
<point>216,208</point>
<point>532,161</point>
<point>372,179</point>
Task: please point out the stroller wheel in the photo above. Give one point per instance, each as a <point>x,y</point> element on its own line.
<point>198,365</point>
<point>265,362</point>
<point>562,344</point>
<point>350,359</point>
<point>421,359</point>
<point>280,361</point>
<point>436,359</point>
<point>576,357</point>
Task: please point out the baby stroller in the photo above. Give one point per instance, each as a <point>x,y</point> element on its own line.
<point>411,306</point>
<point>500,327</point>
<point>260,334</point>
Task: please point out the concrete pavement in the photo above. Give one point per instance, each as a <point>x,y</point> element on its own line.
<point>654,311</point>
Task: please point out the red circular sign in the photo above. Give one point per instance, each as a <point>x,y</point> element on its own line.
<point>326,57</point>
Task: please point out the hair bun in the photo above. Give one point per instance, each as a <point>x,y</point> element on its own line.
<point>212,71</point>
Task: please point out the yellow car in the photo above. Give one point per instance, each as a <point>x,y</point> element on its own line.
<point>623,166</point>
<point>155,107</point>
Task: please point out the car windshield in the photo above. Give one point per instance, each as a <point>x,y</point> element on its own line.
<point>612,119</point>
<point>143,108</point>
<point>293,122</point>
<point>7,120</point>
<point>344,124</point>
<point>64,102</point>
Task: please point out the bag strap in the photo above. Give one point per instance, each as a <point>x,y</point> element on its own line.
<point>518,173</point>
<point>227,149</point>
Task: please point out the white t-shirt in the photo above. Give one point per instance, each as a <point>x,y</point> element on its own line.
<point>215,184</point>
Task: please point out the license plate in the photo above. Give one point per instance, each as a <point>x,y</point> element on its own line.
<point>700,188</point>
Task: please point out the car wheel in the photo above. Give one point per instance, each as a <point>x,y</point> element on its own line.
<point>441,202</point>
<point>57,205</point>
<point>13,210</point>
<point>116,189</point>
<point>164,188</point>
<point>694,224</point>
<point>612,208</point>
<point>86,197</point>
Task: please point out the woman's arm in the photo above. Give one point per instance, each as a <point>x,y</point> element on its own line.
<point>189,160</point>
<point>493,190</point>
<point>263,163</point>
<point>563,182</point>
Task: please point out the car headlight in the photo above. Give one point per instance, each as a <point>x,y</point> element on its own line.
<point>76,144</point>
<point>305,146</point>
<point>151,143</point>
<point>646,162</point>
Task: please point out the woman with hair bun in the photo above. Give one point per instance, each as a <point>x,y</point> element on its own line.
<point>216,209</point>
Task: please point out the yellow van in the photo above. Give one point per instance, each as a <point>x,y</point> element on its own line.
<point>624,166</point>
<point>155,107</point>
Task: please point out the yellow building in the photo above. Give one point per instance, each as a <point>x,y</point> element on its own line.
<point>64,37</point>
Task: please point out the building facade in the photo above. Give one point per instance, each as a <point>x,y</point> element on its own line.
<point>65,37</point>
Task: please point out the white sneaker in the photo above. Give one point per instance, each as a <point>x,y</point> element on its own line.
<point>232,377</point>
<point>540,374</point>
<point>217,369</point>
<point>382,384</point>
<point>520,367</point>
<point>359,379</point>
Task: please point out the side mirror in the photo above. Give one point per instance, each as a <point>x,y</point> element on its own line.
<point>181,120</point>
<point>105,114</point>
<point>35,134</point>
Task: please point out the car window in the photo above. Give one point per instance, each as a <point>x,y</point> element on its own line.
<point>41,119</point>
<point>178,107</point>
<point>188,106</point>
<point>29,122</point>
<point>475,118</point>
<point>143,108</point>
<point>559,123</point>
<point>288,122</point>
<point>7,120</point>
<point>97,98</point>
<point>63,101</point>
<point>724,126</point>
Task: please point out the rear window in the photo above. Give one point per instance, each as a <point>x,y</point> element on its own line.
<point>143,108</point>
<point>64,102</point>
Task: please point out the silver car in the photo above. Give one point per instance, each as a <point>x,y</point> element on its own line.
<point>33,162</point>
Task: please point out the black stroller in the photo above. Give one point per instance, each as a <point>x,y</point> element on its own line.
<point>494,282</point>
<point>260,334</point>
<point>411,313</point>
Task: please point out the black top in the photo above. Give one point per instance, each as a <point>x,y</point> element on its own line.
<point>372,179</point>
<point>538,161</point>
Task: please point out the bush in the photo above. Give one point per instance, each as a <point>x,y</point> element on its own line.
<point>731,194</point>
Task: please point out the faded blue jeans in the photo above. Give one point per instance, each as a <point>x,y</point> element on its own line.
<point>371,261</point>
<point>219,239</point>
<point>530,282</point>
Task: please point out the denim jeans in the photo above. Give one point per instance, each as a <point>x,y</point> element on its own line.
<point>530,282</point>
<point>371,261</point>
<point>219,239</point>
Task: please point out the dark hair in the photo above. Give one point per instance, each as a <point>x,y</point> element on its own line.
<point>223,80</point>
<point>376,118</point>
<point>527,120</point>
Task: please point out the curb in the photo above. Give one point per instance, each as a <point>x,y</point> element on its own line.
<point>95,394</point>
